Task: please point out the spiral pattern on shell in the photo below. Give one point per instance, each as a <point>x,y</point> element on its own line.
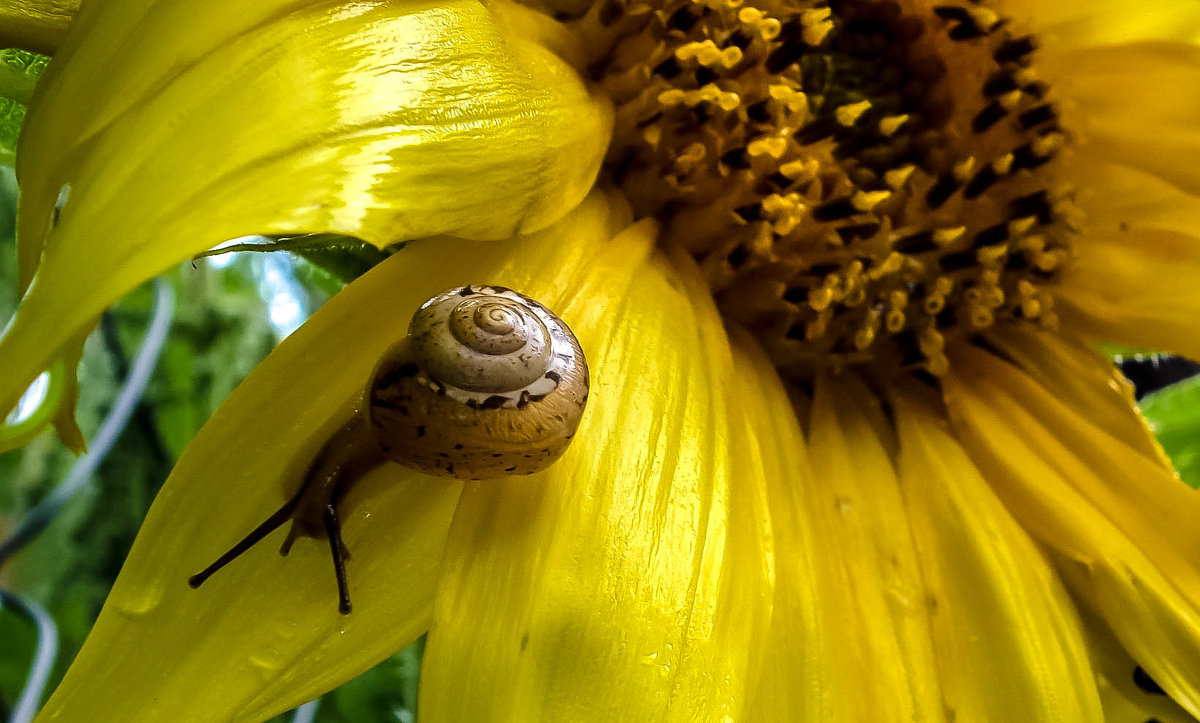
<point>483,342</point>
<point>487,383</point>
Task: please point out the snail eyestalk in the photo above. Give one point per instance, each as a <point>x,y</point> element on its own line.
<point>348,455</point>
<point>488,383</point>
<point>269,525</point>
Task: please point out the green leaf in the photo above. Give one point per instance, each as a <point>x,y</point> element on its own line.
<point>340,259</point>
<point>1174,412</point>
<point>19,73</point>
<point>12,114</point>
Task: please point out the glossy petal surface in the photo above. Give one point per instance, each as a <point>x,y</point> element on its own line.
<point>177,129</point>
<point>795,680</point>
<point>1118,524</point>
<point>264,634</point>
<point>631,581</point>
<point>1082,377</point>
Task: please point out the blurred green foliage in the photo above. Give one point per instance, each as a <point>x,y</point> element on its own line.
<point>222,328</point>
<point>19,71</point>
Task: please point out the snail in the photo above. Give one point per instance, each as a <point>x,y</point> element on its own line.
<point>487,383</point>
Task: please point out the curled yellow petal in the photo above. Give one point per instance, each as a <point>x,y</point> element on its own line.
<point>37,25</point>
<point>632,580</point>
<point>264,634</point>
<point>179,125</point>
<point>1119,526</point>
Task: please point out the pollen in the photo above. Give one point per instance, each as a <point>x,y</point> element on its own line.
<point>859,180</point>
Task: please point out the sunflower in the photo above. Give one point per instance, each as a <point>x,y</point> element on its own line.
<point>838,268</point>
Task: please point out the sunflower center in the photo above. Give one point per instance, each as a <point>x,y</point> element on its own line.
<point>859,180</point>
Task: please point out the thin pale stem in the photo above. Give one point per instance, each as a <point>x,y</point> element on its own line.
<point>43,661</point>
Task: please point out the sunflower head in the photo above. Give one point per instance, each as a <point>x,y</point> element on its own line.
<point>837,268</point>
<point>857,184</point>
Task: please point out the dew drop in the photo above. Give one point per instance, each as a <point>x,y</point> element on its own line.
<point>139,602</point>
<point>266,662</point>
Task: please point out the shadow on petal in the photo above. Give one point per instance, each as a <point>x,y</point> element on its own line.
<point>264,634</point>
<point>633,580</point>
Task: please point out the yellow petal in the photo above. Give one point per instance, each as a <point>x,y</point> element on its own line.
<point>59,397</point>
<point>1132,104</point>
<point>631,581</point>
<point>264,634</point>
<point>873,598</point>
<point>1083,378</point>
<point>1008,641</point>
<point>65,426</point>
<point>1127,692</point>
<point>180,125</point>
<point>37,25</point>
<point>1119,526</point>
<point>1136,279</point>
<point>1067,25</point>
<point>794,683</point>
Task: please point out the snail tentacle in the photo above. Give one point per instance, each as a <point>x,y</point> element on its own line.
<point>487,383</point>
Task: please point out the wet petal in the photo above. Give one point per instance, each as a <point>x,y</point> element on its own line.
<point>874,600</point>
<point>1118,525</point>
<point>264,634</point>
<point>631,581</point>
<point>180,125</point>
<point>1006,635</point>
<point>1136,279</point>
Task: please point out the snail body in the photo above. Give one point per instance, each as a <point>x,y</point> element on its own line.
<point>487,383</point>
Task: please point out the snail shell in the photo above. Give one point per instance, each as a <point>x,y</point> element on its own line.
<point>487,383</point>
